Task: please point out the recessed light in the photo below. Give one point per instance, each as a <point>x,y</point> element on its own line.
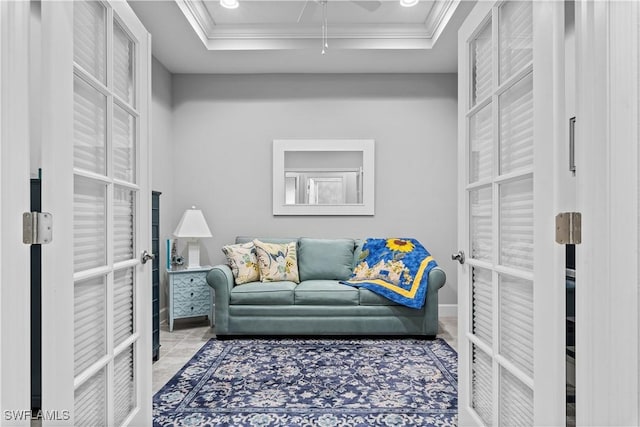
<point>229,4</point>
<point>408,3</point>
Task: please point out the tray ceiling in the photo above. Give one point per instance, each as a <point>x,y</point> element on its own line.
<point>265,36</point>
<point>295,24</point>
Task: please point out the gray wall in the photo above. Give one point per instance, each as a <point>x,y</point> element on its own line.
<point>162,169</point>
<point>223,128</point>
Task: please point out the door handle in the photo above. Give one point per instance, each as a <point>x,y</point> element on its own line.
<point>146,256</point>
<point>458,257</point>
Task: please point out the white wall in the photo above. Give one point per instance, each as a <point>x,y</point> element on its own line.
<point>162,162</point>
<point>223,128</point>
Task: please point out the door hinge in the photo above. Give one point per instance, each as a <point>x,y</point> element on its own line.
<point>569,228</point>
<point>37,228</point>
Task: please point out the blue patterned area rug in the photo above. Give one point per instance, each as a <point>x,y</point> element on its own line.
<point>313,382</point>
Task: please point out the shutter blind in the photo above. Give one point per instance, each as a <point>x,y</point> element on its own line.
<point>89,224</point>
<point>124,386</point>
<point>123,51</point>
<point>516,322</point>
<point>89,128</point>
<point>482,304</point>
<point>123,202</point>
<point>481,385</point>
<point>481,155</point>
<point>481,227</point>
<point>516,401</point>
<point>89,38</point>
<point>90,407</point>
<point>516,127</point>
<point>516,37</point>
<point>481,63</point>
<point>90,315</point>
<point>123,144</point>
<point>123,305</point>
<point>516,224</point>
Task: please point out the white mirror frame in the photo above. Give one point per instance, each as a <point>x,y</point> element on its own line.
<point>281,146</point>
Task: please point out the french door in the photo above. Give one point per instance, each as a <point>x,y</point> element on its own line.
<point>96,349</point>
<point>511,288</point>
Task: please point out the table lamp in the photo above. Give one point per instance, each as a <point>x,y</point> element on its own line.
<point>192,226</point>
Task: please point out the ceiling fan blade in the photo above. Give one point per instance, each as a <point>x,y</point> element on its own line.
<point>307,11</point>
<point>371,6</point>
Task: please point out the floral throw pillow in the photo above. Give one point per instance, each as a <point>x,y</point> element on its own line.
<point>277,261</point>
<point>243,262</point>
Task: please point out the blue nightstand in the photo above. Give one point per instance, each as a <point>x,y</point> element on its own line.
<point>189,294</point>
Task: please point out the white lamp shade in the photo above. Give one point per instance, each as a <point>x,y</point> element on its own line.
<point>192,225</point>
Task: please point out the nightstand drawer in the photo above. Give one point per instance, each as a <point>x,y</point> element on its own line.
<point>189,308</point>
<point>191,293</point>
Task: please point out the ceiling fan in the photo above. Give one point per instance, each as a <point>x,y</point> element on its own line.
<point>308,10</point>
<point>310,6</point>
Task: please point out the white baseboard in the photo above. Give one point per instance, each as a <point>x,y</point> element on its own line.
<point>447,310</point>
<point>164,315</point>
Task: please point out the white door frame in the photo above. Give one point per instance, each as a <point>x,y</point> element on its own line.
<point>15,289</point>
<point>607,260</point>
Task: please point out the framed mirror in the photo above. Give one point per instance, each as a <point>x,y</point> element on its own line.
<point>323,177</point>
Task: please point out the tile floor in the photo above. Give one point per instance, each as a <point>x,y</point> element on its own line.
<point>177,347</point>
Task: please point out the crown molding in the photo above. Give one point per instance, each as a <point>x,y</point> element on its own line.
<point>269,37</point>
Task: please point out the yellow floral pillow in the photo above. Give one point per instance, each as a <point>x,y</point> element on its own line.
<point>277,261</point>
<point>243,262</point>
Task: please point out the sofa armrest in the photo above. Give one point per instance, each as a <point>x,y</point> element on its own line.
<point>437,279</point>
<point>221,280</point>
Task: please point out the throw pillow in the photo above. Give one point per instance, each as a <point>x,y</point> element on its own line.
<point>243,262</point>
<point>330,259</point>
<point>277,262</point>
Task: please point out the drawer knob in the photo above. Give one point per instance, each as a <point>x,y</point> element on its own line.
<point>191,293</point>
<point>191,308</point>
<point>192,279</point>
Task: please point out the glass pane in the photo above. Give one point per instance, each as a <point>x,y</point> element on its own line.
<point>482,290</point>
<point>481,385</point>
<point>481,143</point>
<point>516,401</point>
<point>90,407</point>
<point>516,126</point>
<point>123,212</point>
<point>90,316</point>
<point>123,51</point>
<point>516,224</point>
<point>516,36</point>
<point>89,37</point>
<point>89,224</point>
<point>481,224</point>
<point>124,153</point>
<point>122,305</point>
<point>516,322</point>
<point>89,128</point>
<point>124,386</point>
<point>481,65</point>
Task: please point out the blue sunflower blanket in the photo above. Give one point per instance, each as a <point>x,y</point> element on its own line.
<point>397,269</point>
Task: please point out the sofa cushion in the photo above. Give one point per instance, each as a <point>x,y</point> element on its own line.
<point>243,262</point>
<point>259,293</point>
<point>277,261</point>
<point>325,292</point>
<point>325,258</point>
<point>371,298</point>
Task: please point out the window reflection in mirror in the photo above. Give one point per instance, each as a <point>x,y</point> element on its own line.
<point>323,177</point>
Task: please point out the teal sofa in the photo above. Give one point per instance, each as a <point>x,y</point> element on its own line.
<point>319,304</point>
